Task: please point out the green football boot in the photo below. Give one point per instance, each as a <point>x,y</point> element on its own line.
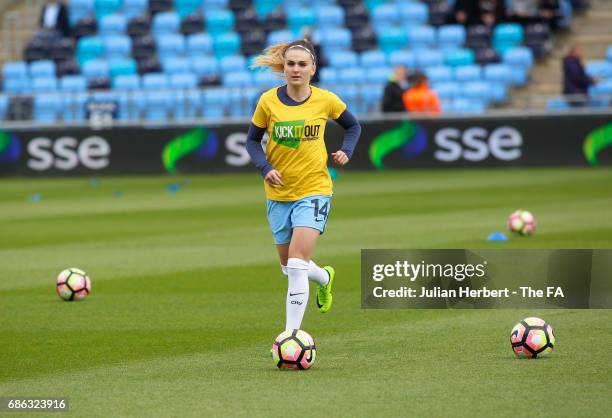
<point>324,293</point>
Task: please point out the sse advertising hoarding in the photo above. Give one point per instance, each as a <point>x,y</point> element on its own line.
<point>401,144</point>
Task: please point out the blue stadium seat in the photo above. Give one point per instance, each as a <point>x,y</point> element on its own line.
<point>429,58</point>
<point>226,44</point>
<point>498,92</point>
<point>204,65</point>
<point>392,38</point>
<point>351,75</point>
<point>403,57</point>
<point>183,81</point>
<point>557,103</point>
<point>467,73</point>
<point>599,69</point>
<point>46,107</point>
<point>89,48</point>
<point>439,74</point>
<point>374,58</point>
<point>468,106</point>
<point>44,68</point>
<point>447,91</point>
<point>188,102</point>
<point>166,23</point>
<point>278,36</point>
<point>328,75</point>
<point>350,95</point>
<point>266,80</point>
<point>333,39</point>
<point>214,102</point>
<point>170,45</point>
<point>186,7</point>
<point>342,59</point>
<point>506,36</point>
<point>133,8</point>
<point>298,19</point>
<point>44,84</point>
<point>237,104</point>
<point>73,83</point>
<point>371,95</point>
<point>378,75</point>
<point>232,63</point>
<point>215,4</point>
<point>131,104</point>
<point>126,82</point>
<point>114,24</point>
<point>159,105</point>
<point>519,57</point>
<point>122,66</point>
<point>237,79</point>
<point>155,81</point>
<point>16,85</point>
<point>117,46</point>
<point>604,87</point>
<point>421,37</point>
<point>459,56</point>
<point>451,36</point>
<point>384,16</point>
<point>73,106</point>
<point>199,43</point>
<point>176,65</point>
<point>78,9</point>
<point>15,69</point>
<point>4,103</point>
<point>413,13</point>
<point>219,21</point>
<point>476,90</point>
<point>329,16</point>
<point>97,68</point>
<point>373,4</point>
<point>104,8</point>
<point>609,53</point>
<point>500,73</point>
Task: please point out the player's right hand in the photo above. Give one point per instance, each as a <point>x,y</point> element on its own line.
<point>274,178</point>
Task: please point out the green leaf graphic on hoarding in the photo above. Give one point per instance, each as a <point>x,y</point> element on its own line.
<point>181,146</point>
<point>596,141</point>
<point>5,139</point>
<point>389,141</point>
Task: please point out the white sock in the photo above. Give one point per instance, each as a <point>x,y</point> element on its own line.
<point>297,292</point>
<point>315,273</point>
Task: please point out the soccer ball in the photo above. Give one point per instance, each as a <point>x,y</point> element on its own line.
<point>73,284</point>
<point>522,222</point>
<point>294,349</point>
<point>532,338</point>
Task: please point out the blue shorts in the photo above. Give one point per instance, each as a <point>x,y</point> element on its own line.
<point>311,211</point>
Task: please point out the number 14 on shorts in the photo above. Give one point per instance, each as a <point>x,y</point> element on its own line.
<point>320,210</point>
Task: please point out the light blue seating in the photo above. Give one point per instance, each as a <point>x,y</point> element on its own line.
<point>451,36</point>
<point>183,81</point>
<point>159,105</point>
<point>214,4</point>
<point>498,92</point>
<point>378,75</point>
<point>214,102</point>
<point>403,57</point>
<point>369,59</point>
<point>97,68</point>
<point>199,43</point>
<point>226,44</point>
<point>16,85</point>
<point>15,69</point>
<point>104,8</point>
<point>117,46</point>
<point>237,103</point>
<point>429,58</point>
<point>218,21</point>
<point>519,57</point>
<point>46,107</point>
<point>371,96</point>
<point>133,8</point>
<point>166,23</point>
<point>392,38</point>
<point>604,87</point>
<point>89,48</point>
<point>44,68</point>
<point>476,90</point>
<point>557,103</point>
<point>278,36</point>
<point>237,79</point>
<point>328,75</point>
<point>342,59</point>
<point>122,66</point>
<point>459,57</point>
<point>609,53</point>
<point>114,24</point>
<point>351,75</point>
<point>131,104</point>
<point>349,95</point>
<point>73,83</point>
<point>413,13</point>
<point>447,90</point>
<point>467,73</point>
<point>170,45</point>
<point>187,103</point>
<point>500,73</point>
<point>599,69</point>
<point>204,65</point>
<point>126,82</point>
<point>154,81</point>
<point>4,104</point>
<point>506,36</point>
<point>421,37</point>
<point>468,106</point>
<point>297,19</point>
<point>384,16</point>
<point>73,106</point>
<point>176,65</point>
<point>232,63</point>
<point>44,84</point>
<point>329,16</point>
<point>440,73</point>
<point>78,9</point>
<point>266,80</point>
<point>186,7</point>
<point>333,39</point>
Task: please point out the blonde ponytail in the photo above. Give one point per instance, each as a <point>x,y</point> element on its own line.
<point>273,58</point>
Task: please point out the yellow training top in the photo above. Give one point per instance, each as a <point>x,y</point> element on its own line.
<point>295,146</point>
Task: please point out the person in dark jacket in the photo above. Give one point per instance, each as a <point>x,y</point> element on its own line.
<point>54,19</point>
<point>394,90</point>
<point>576,82</point>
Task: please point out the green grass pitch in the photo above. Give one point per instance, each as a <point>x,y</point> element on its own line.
<point>188,296</point>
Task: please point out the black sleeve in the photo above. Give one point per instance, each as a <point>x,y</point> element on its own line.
<point>253,146</point>
<point>351,134</point>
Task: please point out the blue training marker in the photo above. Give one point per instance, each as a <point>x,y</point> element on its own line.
<point>174,187</point>
<point>37,197</point>
<point>117,193</point>
<point>497,236</point>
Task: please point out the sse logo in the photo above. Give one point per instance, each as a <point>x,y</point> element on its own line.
<point>201,141</point>
<point>408,136</point>
<point>10,148</point>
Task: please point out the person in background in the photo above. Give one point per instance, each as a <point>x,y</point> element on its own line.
<point>474,12</point>
<point>420,97</point>
<point>394,90</point>
<point>54,21</point>
<point>550,12</point>
<point>576,82</point>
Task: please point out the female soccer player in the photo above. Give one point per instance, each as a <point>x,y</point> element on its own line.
<point>294,167</point>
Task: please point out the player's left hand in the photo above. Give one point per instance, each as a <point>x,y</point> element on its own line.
<point>340,157</point>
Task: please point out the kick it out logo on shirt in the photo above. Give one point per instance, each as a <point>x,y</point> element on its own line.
<point>290,133</point>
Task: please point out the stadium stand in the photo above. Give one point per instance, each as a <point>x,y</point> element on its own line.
<point>176,51</point>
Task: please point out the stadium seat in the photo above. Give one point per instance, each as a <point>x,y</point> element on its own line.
<point>149,65</point>
<point>16,85</point>
<point>78,9</point>
<point>104,8</point>
<point>364,39</point>
<point>371,96</point>
<point>599,69</point>
<point>266,80</point>
<point>192,24</point>
<point>403,57</point>
<point>117,46</point>
<point>498,92</point>
<point>246,20</point>
<point>36,50</point>
<point>45,68</point>
<point>187,102</point>
<point>133,8</point>
<point>350,95</point>
<point>279,36</point>
<point>99,83</point>
<point>183,81</point>
<point>126,82</point>
<point>476,90</point>
<point>155,81</point>
<point>219,21</point>
<point>139,26</point>
<point>439,74</point>
<point>384,16</point>
<point>421,37</point>
<point>462,105</point>
<point>97,68</point>
<point>115,24</point>
<point>14,70</point>
<point>298,19</point>
<point>351,75</point>
<point>87,26</point>
<point>131,105</point>
<point>215,4</point>
<point>356,16</point>
<point>467,73</point>
<point>429,58</point>
<point>215,102</point>
<point>89,48</point>
<point>160,6</point>
<point>73,83</point>
<point>276,20</point>
<point>500,73</point>
<point>226,44</point>
<point>158,105</point>
<point>328,75</point>
<point>342,59</point>
<point>170,45</point>
<point>232,63</point>
<point>44,84</point>
<point>73,106</point>
<point>166,23</point>
<point>459,56</point>
<point>186,7</point>
<point>204,65</point>
<point>519,57</point>
<point>378,75</point>
<point>67,67</point>
<point>333,39</point>
<point>369,59</point>
<point>439,12</point>
<point>557,103</point>
<point>506,36</point>
<point>478,36</point>
<point>237,79</point>
<point>450,36</point>
<point>252,43</point>
<point>413,13</point>
<point>447,90</point>
<point>237,104</point>
<point>62,50</point>
<point>609,53</point>
<point>199,43</point>
<point>392,38</point>
<point>4,104</point>
<point>46,107</point>
<point>487,56</point>
<point>329,16</point>
<point>176,65</point>
<point>122,66</point>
